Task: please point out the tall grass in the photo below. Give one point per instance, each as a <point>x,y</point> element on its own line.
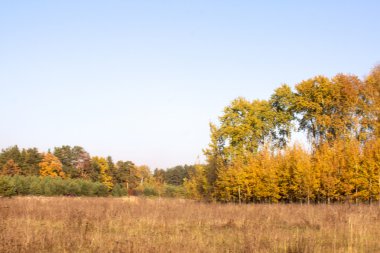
<point>84,224</point>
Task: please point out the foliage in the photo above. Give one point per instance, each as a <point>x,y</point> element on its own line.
<point>104,171</point>
<point>10,168</point>
<point>51,166</point>
<point>52,186</point>
<point>175,175</point>
<point>249,159</point>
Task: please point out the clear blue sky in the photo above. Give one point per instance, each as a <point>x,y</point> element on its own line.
<point>141,80</point>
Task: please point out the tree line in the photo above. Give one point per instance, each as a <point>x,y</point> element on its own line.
<point>72,171</point>
<point>250,158</point>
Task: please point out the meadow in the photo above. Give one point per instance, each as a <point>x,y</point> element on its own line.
<point>95,224</point>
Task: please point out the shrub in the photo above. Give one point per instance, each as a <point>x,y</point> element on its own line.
<point>7,186</point>
<point>118,191</point>
<point>174,191</point>
<point>54,186</point>
<point>100,189</point>
<point>21,184</point>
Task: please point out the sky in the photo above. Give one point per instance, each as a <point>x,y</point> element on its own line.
<point>142,80</point>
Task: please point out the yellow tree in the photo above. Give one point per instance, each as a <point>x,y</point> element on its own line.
<point>345,107</point>
<point>252,179</point>
<point>291,180</point>
<point>371,169</point>
<point>350,169</point>
<point>313,106</point>
<point>304,179</point>
<point>309,176</point>
<point>284,176</point>
<point>371,108</point>
<point>245,128</point>
<point>325,164</point>
<point>235,183</point>
<point>328,108</point>
<point>11,168</point>
<point>196,186</point>
<point>266,187</point>
<point>104,171</point>
<point>51,166</point>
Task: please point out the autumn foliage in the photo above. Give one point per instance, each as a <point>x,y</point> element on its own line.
<point>51,166</point>
<point>11,168</point>
<point>250,158</point>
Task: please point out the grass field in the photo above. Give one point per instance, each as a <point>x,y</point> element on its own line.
<point>64,224</point>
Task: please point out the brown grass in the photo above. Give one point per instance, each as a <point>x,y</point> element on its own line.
<point>64,224</point>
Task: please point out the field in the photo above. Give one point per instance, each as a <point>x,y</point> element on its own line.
<point>66,224</point>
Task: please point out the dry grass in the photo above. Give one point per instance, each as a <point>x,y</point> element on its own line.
<point>59,224</point>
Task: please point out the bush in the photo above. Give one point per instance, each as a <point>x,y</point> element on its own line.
<point>174,191</point>
<point>21,184</point>
<point>119,191</point>
<point>73,188</point>
<point>7,186</point>
<point>49,186</point>
<point>35,186</point>
<point>100,190</point>
<point>147,189</point>
<point>86,188</point>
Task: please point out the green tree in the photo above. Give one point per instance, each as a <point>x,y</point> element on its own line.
<point>282,103</point>
<point>75,160</point>
<point>31,158</point>
<point>7,154</point>
<point>122,173</point>
<point>177,174</point>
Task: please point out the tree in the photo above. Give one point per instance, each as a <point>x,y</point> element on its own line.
<point>282,103</point>
<point>10,153</point>
<point>326,166</point>
<point>245,127</point>
<point>263,167</point>
<point>51,166</point>
<point>314,103</point>
<point>143,173</point>
<point>82,163</point>
<point>371,106</point>
<point>371,168</point>
<point>234,183</point>
<point>10,168</point>
<point>330,109</point>
<point>301,178</point>
<point>177,174</point>
<point>104,171</point>
<point>197,186</point>
<point>346,107</point>
<point>159,175</point>
<point>64,154</point>
<point>122,172</point>
<point>75,160</point>
<point>30,160</point>
<point>341,117</point>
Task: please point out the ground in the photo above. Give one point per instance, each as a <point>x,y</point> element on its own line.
<point>71,224</point>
